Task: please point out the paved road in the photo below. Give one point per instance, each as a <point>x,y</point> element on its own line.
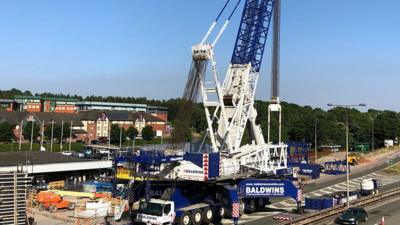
<point>389,210</point>
<point>319,189</point>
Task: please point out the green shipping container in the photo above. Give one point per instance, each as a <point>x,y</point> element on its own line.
<point>362,147</point>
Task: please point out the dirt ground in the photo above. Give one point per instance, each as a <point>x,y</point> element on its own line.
<point>364,158</point>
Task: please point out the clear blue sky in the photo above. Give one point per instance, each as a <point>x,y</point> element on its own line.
<point>331,51</point>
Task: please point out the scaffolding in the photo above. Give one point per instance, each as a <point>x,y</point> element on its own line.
<point>13,194</point>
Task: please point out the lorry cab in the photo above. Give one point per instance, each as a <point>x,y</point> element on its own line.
<point>156,211</point>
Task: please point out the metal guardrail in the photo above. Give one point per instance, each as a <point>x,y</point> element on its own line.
<point>326,213</point>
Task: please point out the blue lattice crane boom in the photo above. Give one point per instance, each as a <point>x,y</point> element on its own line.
<point>253,32</point>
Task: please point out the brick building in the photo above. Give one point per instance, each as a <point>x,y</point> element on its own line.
<point>26,103</point>
<point>45,104</point>
<point>97,123</point>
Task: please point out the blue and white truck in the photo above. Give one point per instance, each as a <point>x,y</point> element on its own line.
<point>194,202</point>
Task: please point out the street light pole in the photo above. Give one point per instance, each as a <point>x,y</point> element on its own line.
<point>347,158</point>
<point>347,146</point>
<point>52,134</point>
<point>33,123</point>
<point>20,136</point>
<point>120,137</point>
<point>70,136</point>
<point>373,138</point>
<point>62,134</point>
<point>315,140</point>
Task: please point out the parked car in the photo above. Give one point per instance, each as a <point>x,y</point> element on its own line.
<point>79,154</point>
<point>353,216</point>
<point>68,153</point>
<point>94,142</point>
<point>104,151</point>
<point>87,151</point>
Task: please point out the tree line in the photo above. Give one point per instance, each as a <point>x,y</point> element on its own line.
<point>298,122</point>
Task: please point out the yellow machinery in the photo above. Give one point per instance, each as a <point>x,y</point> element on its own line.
<point>353,159</point>
<point>80,194</point>
<point>56,185</point>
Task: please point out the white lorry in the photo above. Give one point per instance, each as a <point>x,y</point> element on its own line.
<point>369,186</point>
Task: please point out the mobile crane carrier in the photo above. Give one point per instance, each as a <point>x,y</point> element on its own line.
<point>223,178</point>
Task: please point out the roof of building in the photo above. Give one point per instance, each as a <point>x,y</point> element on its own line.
<point>58,118</point>
<point>12,118</point>
<point>115,104</point>
<point>46,98</point>
<point>35,157</point>
<point>6,100</point>
<point>117,115</point>
<point>15,118</point>
<point>60,99</point>
<point>26,97</point>
<point>157,107</point>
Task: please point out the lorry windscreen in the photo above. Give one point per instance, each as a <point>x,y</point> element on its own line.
<point>151,208</point>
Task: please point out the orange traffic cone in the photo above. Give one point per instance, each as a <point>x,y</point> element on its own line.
<point>382,221</point>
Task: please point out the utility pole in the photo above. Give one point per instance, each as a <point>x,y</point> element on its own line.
<point>373,138</point>
<point>42,136</point>
<point>51,141</point>
<point>33,123</point>
<point>347,107</point>
<point>20,136</point>
<point>315,140</point>
<point>109,135</point>
<point>120,137</point>
<point>62,134</point>
<point>70,136</point>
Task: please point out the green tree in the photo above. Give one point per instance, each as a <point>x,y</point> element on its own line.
<point>28,129</point>
<point>57,130</point>
<point>6,133</point>
<point>132,132</point>
<point>115,134</point>
<point>148,133</point>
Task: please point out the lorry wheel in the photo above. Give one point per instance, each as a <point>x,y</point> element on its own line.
<point>185,219</point>
<point>251,206</point>
<point>71,206</point>
<point>208,215</point>
<point>242,207</point>
<point>222,212</point>
<point>41,207</point>
<point>366,219</point>
<point>219,216</point>
<point>53,209</point>
<point>261,203</point>
<point>197,217</point>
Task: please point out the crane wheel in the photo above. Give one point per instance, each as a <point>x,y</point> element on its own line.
<point>251,206</point>
<point>186,218</point>
<point>242,207</point>
<point>222,212</point>
<point>197,217</point>
<point>53,209</point>
<point>261,203</point>
<point>208,215</point>
<point>71,206</point>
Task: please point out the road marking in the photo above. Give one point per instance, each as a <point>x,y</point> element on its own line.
<point>289,204</point>
<point>325,191</point>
